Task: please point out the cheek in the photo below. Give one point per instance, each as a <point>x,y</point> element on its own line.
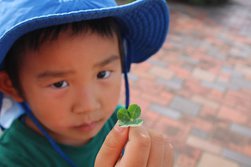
<point>111,94</point>
<point>116,88</point>
<point>47,108</point>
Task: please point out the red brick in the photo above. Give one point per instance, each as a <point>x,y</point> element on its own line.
<point>208,113</point>
<point>175,130</point>
<point>194,87</point>
<point>203,145</point>
<point>205,101</point>
<point>184,93</point>
<point>144,75</point>
<point>154,99</point>
<point>248,77</point>
<point>198,123</point>
<point>149,86</point>
<point>171,58</point>
<point>236,98</point>
<point>222,124</point>
<point>142,103</point>
<point>143,67</point>
<point>161,72</point>
<point>180,72</point>
<point>231,115</point>
<point>169,122</point>
<point>215,68</point>
<point>224,77</point>
<point>150,118</point>
<point>166,96</point>
<point>243,149</point>
<point>215,95</point>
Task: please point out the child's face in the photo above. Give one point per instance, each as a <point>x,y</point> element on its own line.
<point>72,85</point>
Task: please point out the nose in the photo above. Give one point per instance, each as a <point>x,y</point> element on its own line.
<point>86,101</point>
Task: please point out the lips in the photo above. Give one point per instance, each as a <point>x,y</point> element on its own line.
<point>85,127</point>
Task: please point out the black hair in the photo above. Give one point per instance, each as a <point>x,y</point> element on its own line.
<point>106,27</point>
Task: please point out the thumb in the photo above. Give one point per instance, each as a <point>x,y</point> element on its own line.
<point>112,147</point>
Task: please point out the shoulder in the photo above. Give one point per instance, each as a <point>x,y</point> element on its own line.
<point>12,147</point>
<point>20,146</point>
<point>9,158</point>
<point>8,155</point>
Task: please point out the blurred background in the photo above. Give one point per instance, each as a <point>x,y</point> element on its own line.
<point>197,88</point>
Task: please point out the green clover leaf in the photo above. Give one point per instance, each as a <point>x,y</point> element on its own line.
<point>130,117</point>
<point>123,115</point>
<point>134,111</point>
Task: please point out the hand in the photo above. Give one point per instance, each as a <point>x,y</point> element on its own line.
<point>143,148</point>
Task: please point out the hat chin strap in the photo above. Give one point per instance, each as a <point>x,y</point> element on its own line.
<point>1,100</point>
<point>125,70</point>
<point>127,90</point>
<point>1,104</point>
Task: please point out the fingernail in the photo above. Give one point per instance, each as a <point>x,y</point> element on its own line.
<point>118,128</point>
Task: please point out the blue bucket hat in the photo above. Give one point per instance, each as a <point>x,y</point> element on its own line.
<point>144,25</point>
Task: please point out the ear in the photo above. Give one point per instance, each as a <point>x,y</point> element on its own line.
<point>7,88</point>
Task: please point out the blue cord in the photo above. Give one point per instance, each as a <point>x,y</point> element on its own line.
<point>2,128</point>
<point>1,104</point>
<point>1,100</point>
<point>127,90</point>
<point>125,69</point>
<point>48,137</point>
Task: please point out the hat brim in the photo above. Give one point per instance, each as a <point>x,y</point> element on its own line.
<point>144,25</point>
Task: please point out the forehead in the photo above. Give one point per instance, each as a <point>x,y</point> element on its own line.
<point>69,51</point>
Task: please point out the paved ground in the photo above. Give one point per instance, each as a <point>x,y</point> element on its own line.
<point>197,89</point>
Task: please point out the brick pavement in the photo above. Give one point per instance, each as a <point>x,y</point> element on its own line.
<point>197,88</point>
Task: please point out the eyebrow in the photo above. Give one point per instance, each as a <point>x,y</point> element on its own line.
<point>53,74</point>
<point>107,61</point>
<point>58,74</point>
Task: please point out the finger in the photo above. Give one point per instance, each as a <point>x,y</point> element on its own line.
<point>157,152</point>
<point>137,149</point>
<point>161,153</point>
<point>112,147</point>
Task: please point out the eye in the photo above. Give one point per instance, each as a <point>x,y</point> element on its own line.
<point>60,84</point>
<point>103,74</point>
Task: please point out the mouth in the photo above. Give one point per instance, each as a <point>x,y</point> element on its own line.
<point>86,127</point>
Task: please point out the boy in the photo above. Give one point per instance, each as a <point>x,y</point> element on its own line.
<point>61,60</point>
